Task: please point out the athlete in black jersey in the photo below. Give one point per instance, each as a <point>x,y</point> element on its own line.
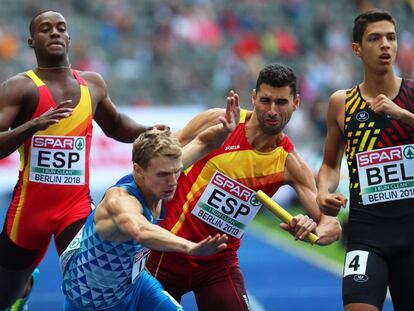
<point>374,124</point>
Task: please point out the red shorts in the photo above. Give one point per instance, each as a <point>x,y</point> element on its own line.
<point>23,243</point>
<point>218,283</point>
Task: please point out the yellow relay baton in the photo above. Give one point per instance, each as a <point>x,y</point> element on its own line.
<point>281,213</point>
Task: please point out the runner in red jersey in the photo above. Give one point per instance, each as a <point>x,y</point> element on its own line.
<point>215,194</point>
<point>47,115</point>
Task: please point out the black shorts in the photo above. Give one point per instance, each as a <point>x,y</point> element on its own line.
<point>380,255</point>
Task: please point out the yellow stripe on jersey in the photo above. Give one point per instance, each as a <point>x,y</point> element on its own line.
<point>243,115</point>
<point>35,78</point>
<point>80,114</point>
<point>235,165</point>
<point>15,226</point>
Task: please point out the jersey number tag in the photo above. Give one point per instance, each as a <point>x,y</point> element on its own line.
<point>140,259</point>
<point>356,263</point>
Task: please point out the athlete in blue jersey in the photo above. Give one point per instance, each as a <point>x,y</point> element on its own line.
<point>103,267</point>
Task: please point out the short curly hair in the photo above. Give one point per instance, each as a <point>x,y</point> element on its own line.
<point>277,75</point>
<point>152,143</point>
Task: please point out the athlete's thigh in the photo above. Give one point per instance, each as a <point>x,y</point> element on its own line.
<point>173,271</point>
<point>16,257</point>
<point>365,278</point>
<point>148,294</point>
<point>66,236</point>
<point>402,281</point>
<point>222,289</point>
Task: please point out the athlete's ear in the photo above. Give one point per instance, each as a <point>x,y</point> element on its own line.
<point>137,170</point>
<point>254,96</point>
<point>296,102</point>
<point>356,48</point>
<point>30,42</point>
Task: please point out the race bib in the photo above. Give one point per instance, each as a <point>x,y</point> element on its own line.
<point>140,259</point>
<point>386,174</point>
<point>58,160</point>
<point>227,205</point>
<point>356,263</point>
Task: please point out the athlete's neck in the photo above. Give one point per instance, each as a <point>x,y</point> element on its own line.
<point>152,202</point>
<point>54,67</point>
<point>373,85</point>
<point>261,141</point>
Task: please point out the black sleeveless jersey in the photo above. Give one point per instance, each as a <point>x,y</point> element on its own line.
<point>380,156</point>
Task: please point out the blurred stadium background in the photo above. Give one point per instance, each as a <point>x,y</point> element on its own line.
<point>166,60</point>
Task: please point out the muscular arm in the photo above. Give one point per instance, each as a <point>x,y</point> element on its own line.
<point>329,173</point>
<point>201,122</point>
<point>198,124</point>
<point>119,218</point>
<point>300,177</point>
<point>18,101</point>
<point>213,136</point>
<point>113,123</point>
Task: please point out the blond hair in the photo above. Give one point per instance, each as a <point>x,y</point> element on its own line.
<point>154,143</point>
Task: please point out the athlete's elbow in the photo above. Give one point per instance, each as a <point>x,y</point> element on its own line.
<point>142,234</point>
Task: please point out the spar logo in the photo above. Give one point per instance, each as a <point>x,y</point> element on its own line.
<point>47,142</point>
<point>79,143</point>
<point>232,187</point>
<point>382,156</point>
<point>409,152</point>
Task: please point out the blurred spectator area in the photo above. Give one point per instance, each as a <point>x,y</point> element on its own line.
<point>176,52</point>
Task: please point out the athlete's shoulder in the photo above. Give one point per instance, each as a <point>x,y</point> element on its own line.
<point>287,144</point>
<point>92,77</point>
<point>338,96</point>
<point>245,115</point>
<point>18,86</point>
<point>408,83</point>
<point>19,80</point>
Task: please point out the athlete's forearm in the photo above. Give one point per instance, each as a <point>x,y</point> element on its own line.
<point>213,137</point>
<point>328,179</point>
<point>124,129</point>
<point>198,124</point>
<point>11,140</point>
<point>329,230</point>
<point>157,238</point>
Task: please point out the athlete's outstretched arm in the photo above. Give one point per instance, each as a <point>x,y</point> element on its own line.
<point>213,136</point>
<point>18,101</point>
<point>299,175</point>
<point>328,200</point>
<point>201,122</point>
<point>119,218</point>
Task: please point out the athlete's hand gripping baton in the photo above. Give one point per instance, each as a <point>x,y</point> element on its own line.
<point>281,213</point>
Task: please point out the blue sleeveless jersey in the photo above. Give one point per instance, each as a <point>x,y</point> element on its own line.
<point>99,275</point>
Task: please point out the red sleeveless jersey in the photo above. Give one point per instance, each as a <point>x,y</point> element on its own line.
<point>237,159</point>
<point>53,185</point>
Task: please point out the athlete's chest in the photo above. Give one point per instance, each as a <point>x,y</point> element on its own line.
<point>239,160</point>
<point>63,91</point>
<point>366,130</point>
